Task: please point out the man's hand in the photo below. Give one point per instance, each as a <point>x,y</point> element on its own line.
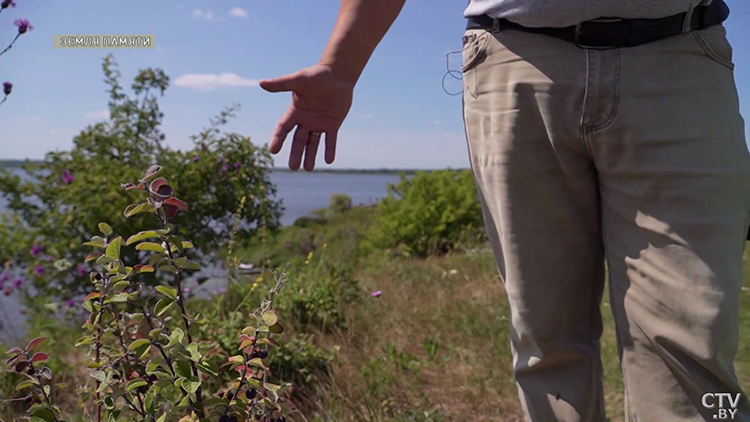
<point>322,94</point>
<point>320,102</point>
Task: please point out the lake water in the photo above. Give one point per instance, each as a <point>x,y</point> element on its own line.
<point>301,193</point>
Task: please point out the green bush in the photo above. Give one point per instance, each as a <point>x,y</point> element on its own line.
<point>58,203</point>
<point>310,221</point>
<point>431,212</point>
<point>340,203</point>
<point>318,295</point>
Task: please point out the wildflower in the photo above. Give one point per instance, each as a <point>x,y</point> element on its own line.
<point>67,177</point>
<point>222,160</point>
<point>6,3</point>
<point>7,88</point>
<point>34,251</point>
<point>39,270</point>
<point>203,147</point>
<point>237,165</point>
<point>255,285</point>
<point>186,289</point>
<point>23,25</point>
<point>3,278</point>
<point>309,257</point>
<point>196,158</point>
<point>224,168</point>
<point>17,282</point>
<point>376,293</point>
<point>22,312</point>
<point>81,270</point>
<point>69,303</point>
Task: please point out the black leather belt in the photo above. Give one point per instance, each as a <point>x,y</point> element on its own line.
<point>617,33</point>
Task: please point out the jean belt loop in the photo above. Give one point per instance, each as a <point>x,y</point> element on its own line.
<point>495,25</point>
<point>687,24</point>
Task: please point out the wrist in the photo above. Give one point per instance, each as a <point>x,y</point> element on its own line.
<point>346,71</point>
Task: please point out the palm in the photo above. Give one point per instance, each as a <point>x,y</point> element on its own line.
<point>320,102</point>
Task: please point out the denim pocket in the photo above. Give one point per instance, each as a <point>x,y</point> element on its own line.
<point>713,40</point>
<point>474,52</point>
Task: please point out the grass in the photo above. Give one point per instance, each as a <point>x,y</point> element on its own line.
<point>435,345</point>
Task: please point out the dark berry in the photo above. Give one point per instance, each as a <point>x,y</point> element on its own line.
<point>233,419</point>
<point>224,418</point>
<point>30,371</point>
<point>230,396</point>
<point>220,394</point>
<point>250,394</point>
<point>263,354</point>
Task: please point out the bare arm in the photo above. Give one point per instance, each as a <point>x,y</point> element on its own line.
<point>322,94</point>
<point>360,27</point>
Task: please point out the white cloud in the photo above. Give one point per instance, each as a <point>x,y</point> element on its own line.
<point>367,116</point>
<point>238,13</point>
<point>100,114</point>
<point>449,135</point>
<point>211,81</point>
<point>437,122</point>
<point>203,14</point>
<point>29,119</point>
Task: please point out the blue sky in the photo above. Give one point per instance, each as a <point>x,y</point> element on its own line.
<point>401,117</point>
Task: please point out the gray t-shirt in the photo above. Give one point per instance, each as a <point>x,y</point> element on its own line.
<point>561,13</point>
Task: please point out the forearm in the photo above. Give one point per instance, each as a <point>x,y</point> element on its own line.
<point>360,27</point>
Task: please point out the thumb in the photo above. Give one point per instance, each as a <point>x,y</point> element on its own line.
<point>282,83</point>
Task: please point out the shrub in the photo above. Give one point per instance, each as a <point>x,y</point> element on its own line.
<point>431,212</point>
<point>53,207</point>
<point>310,221</point>
<point>145,360</point>
<point>340,203</point>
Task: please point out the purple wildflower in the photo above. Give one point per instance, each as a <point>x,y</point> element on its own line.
<point>237,165</point>
<point>203,147</point>
<point>69,303</point>
<point>81,270</point>
<point>34,251</point>
<point>3,278</point>
<point>7,88</point>
<point>224,168</point>
<point>67,176</point>
<point>186,289</point>
<point>22,311</point>
<point>222,290</point>
<point>196,158</point>
<point>222,160</point>
<point>6,3</point>
<point>39,270</point>
<point>376,293</point>
<point>17,282</point>
<point>23,25</point>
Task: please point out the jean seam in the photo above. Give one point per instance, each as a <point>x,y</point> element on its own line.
<point>616,105</point>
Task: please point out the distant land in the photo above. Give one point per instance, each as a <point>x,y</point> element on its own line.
<point>20,163</point>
